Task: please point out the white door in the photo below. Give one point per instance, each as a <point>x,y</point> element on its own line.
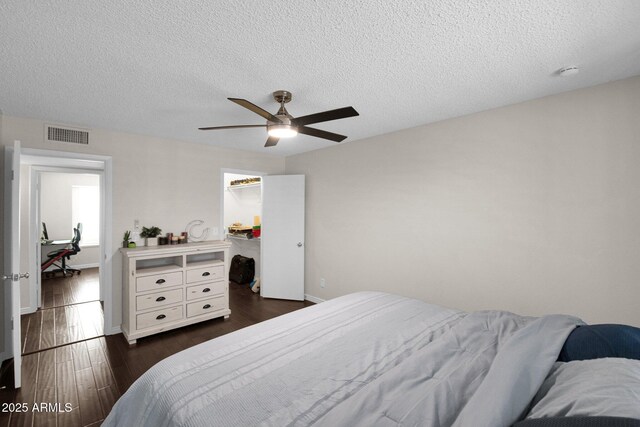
<point>282,237</point>
<point>12,273</point>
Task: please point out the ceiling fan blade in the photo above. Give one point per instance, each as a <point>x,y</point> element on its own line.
<point>321,134</point>
<point>253,107</point>
<point>340,113</point>
<point>233,127</point>
<point>271,141</point>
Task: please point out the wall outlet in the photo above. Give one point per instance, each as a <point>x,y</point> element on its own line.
<point>322,283</point>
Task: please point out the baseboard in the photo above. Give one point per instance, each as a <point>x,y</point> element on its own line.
<point>85,266</point>
<point>313,299</point>
<point>4,356</point>
<point>27,310</point>
<point>113,331</point>
<point>76,266</point>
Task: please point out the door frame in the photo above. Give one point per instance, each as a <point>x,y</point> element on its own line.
<point>94,163</point>
<point>35,286</point>
<point>11,226</point>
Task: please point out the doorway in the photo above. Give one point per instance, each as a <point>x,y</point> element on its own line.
<point>276,204</point>
<point>63,307</point>
<point>64,303</point>
<point>241,214</point>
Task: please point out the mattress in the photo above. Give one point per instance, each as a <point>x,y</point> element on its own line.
<point>363,359</point>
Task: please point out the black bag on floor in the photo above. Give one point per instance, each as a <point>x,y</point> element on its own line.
<point>242,269</point>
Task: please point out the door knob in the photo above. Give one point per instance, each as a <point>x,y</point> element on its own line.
<point>299,244</point>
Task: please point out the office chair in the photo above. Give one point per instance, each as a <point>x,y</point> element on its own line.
<point>59,257</point>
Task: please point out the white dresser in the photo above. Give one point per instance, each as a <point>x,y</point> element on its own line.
<point>167,287</point>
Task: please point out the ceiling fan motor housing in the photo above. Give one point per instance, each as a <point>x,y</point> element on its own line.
<point>284,129</point>
<point>282,96</point>
<point>285,119</point>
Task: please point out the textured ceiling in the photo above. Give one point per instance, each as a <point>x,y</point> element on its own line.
<point>165,68</point>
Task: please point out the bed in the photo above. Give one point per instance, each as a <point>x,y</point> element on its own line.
<point>368,359</point>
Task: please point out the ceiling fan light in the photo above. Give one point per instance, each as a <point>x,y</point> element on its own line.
<point>282,131</point>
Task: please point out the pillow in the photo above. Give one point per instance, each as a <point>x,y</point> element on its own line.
<point>579,422</point>
<point>595,341</point>
<point>600,387</point>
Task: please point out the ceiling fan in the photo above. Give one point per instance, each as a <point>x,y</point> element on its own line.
<point>284,125</point>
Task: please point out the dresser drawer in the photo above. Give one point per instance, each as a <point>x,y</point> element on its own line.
<point>158,299</point>
<point>158,281</point>
<point>205,273</point>
<point>206,290</point>
<point>206,306</point>
<point>159,317</point>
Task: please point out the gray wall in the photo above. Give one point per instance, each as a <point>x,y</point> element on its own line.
<point>533,208</point>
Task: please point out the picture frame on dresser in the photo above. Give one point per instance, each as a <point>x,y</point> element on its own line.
<point>167,287</point>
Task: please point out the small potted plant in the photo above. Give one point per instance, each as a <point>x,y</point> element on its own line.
<point>151,235</point>
<point>126,239</point>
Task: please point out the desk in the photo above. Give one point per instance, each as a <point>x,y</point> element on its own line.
<point>51,245</point>
<point>56,242</point>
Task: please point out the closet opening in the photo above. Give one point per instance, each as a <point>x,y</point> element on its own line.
<point>263,217</point>
<point>241,222</point>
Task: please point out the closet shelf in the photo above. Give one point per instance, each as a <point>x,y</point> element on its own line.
<point>230,236</point>
<point>238,187</point>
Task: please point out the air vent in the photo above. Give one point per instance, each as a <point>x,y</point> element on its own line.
<point>66,134</point>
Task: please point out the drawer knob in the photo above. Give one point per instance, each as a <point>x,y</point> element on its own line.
<point>206,273</point>
<point>206,306</point>
<point>160,317</point>
<point>160,281</point>
<point>160,299</point>
<point>206,290</point>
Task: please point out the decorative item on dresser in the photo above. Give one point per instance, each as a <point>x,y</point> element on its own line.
<point>167,287</point>
<point>191,236</point>
<point>126,239</point>
<point>150,235</point>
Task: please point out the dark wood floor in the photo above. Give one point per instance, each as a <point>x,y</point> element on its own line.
<point>91,375</point>
<point>70,313</point>
<point>60,291</point>
<point>56,326</point>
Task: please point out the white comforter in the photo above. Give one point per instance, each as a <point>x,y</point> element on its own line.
<point>365,359</point>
